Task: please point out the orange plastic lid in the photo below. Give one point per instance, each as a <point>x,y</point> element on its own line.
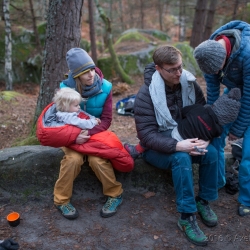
<point>13,216</point>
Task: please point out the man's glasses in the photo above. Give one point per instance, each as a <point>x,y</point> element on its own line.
<point>174,70</point>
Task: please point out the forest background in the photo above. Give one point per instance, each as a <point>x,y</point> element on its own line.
<point>35,36</point>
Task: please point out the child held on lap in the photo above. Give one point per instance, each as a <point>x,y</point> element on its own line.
<point>67,103</point>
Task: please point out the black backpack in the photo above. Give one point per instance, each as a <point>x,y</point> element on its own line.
<point>125,106</point>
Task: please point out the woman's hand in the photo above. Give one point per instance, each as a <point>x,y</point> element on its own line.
<point>82,137</point>
<point>98,121</point>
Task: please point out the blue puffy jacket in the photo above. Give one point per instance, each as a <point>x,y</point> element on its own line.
<point>235,74</point>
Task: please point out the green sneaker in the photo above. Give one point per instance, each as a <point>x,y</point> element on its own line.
<point>208,217</point>
<point>243,210</point>
<point>68,211</point>
<point>111,205</point>
<point>192,231</point>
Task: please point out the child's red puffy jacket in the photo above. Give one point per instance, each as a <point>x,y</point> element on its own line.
<point>104,144</point>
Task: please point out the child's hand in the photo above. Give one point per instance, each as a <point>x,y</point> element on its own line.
<point>98,121</point>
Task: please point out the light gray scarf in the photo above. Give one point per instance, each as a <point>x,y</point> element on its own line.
<point>158,96</point>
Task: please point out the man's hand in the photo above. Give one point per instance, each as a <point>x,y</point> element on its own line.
<point>186,145</point>
<point>201,149</point>
<point>82,137</point>
<point>191,145</point>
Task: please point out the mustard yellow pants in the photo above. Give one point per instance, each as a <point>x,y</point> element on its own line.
<point>71,167</point>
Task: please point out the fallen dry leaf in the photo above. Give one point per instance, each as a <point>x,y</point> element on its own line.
<point>149,194</point>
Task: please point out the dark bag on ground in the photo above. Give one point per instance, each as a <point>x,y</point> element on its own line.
<point>232,176</point>
<point>232,179</point>
<point>125,106</point>
<point>237,149</point>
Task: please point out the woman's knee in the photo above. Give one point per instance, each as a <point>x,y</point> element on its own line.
<point>97,162</point>
<point>73,158</point>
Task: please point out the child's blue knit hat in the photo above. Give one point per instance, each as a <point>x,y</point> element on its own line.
<point>79,61</point>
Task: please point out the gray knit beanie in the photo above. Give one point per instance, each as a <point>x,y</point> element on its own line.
<point>210,56</point>
<point>227,107</point>
<point>79,61</point>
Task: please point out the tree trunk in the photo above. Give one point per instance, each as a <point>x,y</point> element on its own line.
<point>121,14</point>
<point>8,46</point>
<point>142,13</point>
<point>119,70</point>
<point>38,44</point>
<point>182,24</point>
<point>63,32</point>
<point>131,13</point>
<point>92,31</point>
<point>198,23</point>
<point>210,20</point>
<point>235,9</point>
<point>110,9</point>
<point>160,11</point>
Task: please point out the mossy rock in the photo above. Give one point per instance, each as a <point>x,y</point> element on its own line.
<point>190,63</point>
<point>157,34</point>
<point>132,36</point>
<point>26,63</point>
<point>132,64</point>
<point>8,95</point>
<point>84,44</point>
<point>41,28</point>
<point>151,32</point>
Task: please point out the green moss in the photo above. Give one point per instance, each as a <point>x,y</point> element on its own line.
<point>8,95</point>
<point>135,63</point>
<point>31,140</point>
<point>2,48</point>
<point>188,58</point>
<point>132,64</point>
<point>99,46</point>
<point>22,45</point>
<point>160,35</point>
<point>105,64</point>
<point>41,28</point>
<point>157,34</point>
<point>132,36</point>
<point>26,63</point>
<point>84,44</point>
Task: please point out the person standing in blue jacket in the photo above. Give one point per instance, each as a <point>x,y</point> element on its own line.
<point>225,59</point>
